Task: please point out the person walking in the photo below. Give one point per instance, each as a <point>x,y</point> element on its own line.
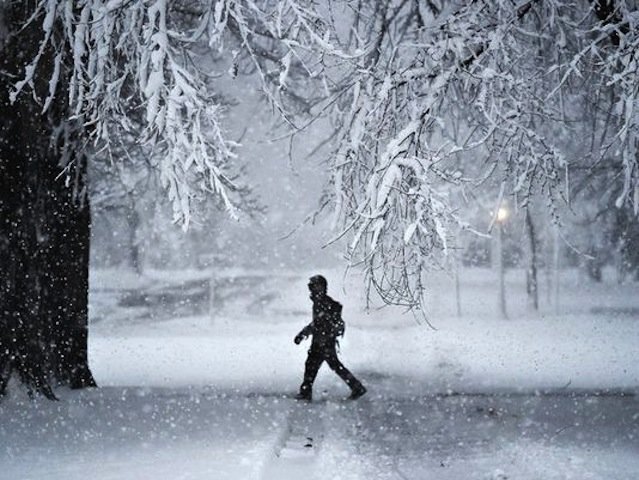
<point>326,326</point>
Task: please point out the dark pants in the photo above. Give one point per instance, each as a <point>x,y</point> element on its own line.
<point>316,356</point>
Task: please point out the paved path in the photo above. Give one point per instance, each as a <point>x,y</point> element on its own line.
<point>297,450</point>
<point>389,434</point>
<point>557,435</point>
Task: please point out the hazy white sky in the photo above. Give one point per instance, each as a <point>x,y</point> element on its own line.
<point>289,189</point>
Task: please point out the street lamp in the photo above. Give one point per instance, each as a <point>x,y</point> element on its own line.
<point>500,218</point>
<point>502,215</point>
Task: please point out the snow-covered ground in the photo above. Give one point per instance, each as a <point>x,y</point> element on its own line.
<point>194,389</point>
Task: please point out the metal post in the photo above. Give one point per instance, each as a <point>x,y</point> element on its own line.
<point>457,286</point>
<point>501,270</point>
<point>556,268</point>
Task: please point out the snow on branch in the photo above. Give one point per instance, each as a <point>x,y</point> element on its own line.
<point>426,99</point>
<point>448,90</point>
<point>126,58</point>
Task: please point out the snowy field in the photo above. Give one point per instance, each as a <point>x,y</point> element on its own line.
<point>196,376</point>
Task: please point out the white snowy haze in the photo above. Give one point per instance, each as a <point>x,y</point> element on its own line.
<point>287,179</point>
<point>477,171</point>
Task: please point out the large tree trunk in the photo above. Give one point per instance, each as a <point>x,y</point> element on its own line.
<point>44,227</point>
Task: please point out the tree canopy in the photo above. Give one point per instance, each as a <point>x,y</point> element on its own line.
<point>428,99</point>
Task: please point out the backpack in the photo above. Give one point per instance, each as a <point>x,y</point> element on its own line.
<point>337,323</point>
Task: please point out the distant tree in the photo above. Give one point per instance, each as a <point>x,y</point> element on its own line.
<point>121,190</point>
<point>625,237</point>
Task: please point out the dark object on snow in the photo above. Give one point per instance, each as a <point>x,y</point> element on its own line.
<point>357,392</point>
<point>326,326</point>
<point>44,217</point>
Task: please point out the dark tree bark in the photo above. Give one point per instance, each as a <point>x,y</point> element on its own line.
<point>593,267</point>
<point>44,225</point>
<point>606,11</point>
<point>133,223</point>
<point>531,272</point>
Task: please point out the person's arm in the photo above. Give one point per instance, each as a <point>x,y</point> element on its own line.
<point>305,332</point>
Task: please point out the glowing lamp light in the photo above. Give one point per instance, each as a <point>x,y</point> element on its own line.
<point>502,214</point>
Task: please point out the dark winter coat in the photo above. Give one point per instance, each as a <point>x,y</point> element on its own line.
<point>327,323</point>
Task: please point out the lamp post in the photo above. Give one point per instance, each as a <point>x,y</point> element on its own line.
<point>501,217</point>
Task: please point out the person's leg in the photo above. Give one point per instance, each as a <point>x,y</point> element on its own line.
<point>312,366</point>
<point>343,372</point>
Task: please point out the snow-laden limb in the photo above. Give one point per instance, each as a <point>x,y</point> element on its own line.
<point>459,94</point>
<point>608,57</point>
<point>398,149</point>
<point>125,58</point>
<point>425,97</point>
<point>133,66</point>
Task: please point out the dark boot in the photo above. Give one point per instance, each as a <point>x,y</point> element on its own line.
<point>304,396</point>
<point>306,393</point>
<point>357,392</point>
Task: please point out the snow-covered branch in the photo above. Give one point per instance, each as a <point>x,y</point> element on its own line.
<point>130,70</point>
<point>426,98</point>
<point>462,93</point>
